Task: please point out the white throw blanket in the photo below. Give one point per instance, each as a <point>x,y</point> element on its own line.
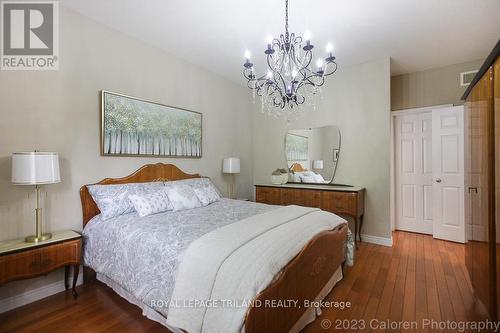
<point>225,269</point>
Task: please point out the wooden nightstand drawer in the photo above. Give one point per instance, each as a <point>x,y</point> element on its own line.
<point>59,255</point>
<point>22,260</point>
<point>19,266</point>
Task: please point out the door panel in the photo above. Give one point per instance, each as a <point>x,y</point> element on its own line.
<point>413,147</point>
<point>451,200</point>
<point>428,203</point>
<point>448,172</point>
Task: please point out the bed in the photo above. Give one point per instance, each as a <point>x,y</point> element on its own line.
<point>140,257</point>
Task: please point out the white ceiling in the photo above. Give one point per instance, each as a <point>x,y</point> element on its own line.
<point>416,34</point>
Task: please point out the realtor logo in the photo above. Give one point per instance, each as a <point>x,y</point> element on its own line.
<point>29,35</point>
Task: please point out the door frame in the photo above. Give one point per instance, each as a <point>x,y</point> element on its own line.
<point>392,167</point>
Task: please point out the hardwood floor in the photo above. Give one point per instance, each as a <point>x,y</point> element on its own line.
<point>418,278</point>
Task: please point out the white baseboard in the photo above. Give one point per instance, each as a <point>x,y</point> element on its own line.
<point>31,296</point>
<point>377,240</point>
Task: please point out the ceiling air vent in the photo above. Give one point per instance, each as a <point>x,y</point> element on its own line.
<point>466,77</point>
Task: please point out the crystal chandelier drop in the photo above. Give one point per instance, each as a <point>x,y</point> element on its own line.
<point>290,78</point>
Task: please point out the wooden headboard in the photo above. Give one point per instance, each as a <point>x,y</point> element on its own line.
<point>147,173</point>
<point>297,167</point>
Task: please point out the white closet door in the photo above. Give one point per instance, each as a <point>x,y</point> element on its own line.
<point>413,171</point>
<point>448,173</point>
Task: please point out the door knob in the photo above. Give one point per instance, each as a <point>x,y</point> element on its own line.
<point>438,180</point>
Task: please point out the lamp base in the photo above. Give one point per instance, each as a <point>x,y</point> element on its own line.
<point>35,239</point>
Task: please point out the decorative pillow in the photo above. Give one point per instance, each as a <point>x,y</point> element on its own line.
<point>319,178</point>
<point>307,179</point>
<point>198,183</point>
<point>113,200</point>
<point>206,192</point>
<point>182,197</point>
<point>314,178</point>
<point>296,178</point>
<point>152,203</point>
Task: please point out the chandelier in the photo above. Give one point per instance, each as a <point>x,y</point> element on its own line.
<point>290,78</point>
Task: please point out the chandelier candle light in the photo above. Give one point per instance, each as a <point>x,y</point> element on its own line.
<point>290,78</point>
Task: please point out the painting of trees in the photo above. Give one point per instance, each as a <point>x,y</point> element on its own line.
<point>297,147</point>
<point>135,127</point>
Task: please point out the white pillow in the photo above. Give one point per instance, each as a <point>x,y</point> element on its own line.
<point>152,203</point>
<point>206,192</point>
<point>182,197</point>
<point>313,178</point>
<point>113,200</point>
<point>319,178</point>
<point>308,179</point>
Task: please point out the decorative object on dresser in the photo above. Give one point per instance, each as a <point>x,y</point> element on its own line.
<point>21,260</point>
<point>231,166</point>
<point>135,127</point>
<point>36,168</point>
<point>341,199</point>
<point>279,176</point>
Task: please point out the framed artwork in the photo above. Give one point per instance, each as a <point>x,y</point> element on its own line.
<point>297,147</point>
<point>134,127</point>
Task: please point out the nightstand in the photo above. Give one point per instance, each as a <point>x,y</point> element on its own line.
<point>20,260</point>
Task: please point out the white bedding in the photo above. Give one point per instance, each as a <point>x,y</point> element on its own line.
<point>141,255</point>
<point>226,269</point>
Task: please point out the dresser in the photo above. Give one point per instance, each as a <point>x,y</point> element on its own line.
<point>341,200</point>
<point>21,260</point>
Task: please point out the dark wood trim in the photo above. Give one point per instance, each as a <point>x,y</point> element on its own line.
<point>39,261</point>
<point>492,191</point>
<point>301,279</point>
<point>492,57</point>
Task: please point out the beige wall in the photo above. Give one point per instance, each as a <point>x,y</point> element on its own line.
<point>59,111</point>
<point>431,87</point>
<point>357,100</point>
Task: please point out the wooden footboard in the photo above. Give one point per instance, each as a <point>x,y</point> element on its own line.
<point>302,279</point>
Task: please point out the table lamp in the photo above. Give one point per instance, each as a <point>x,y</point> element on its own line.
<point>36,168</point>
<point>318,164</point>
<point>231,165</point>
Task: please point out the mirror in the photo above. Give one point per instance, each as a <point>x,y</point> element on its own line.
<point>312,154</point>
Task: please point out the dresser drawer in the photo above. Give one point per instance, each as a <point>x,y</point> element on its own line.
<point>60,255</point>
<point>19,265</point>
<point>340,202</point>
<point>268,195</point>
<point>300,197</point>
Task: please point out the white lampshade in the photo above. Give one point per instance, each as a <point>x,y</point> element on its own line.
<point>318,164</point>
<point>231,165</point>
<point>35,168</point>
